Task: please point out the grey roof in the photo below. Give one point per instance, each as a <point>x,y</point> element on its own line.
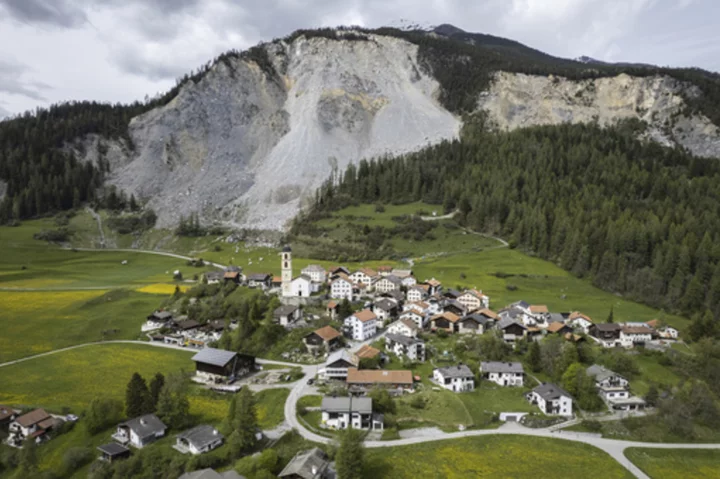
<point>216,357</point>
<point>479,318</point>
<point>362,405</point>
<point>113,449</point>
<point>512,313</point>
<point>305,277</point>
<point>393,279</point>
<point>259,277</point>
<point>162,314</point>
<point>307,464</point>
<point>505,322</point>
<point>600,373</point>
<point>397,294</point>
<point>233,269</point>
<point>452,293</point>
<point>557,318</point>
<point>522,304</point>
<point>501,367</point>
<point>201,436</point>
<point>144,426</point>
<point>385,304</point>
<point>340,354</point>
<point>404,340</point>
<point>314,267</point>
<point>402,273</point>
<point>212,275</point>
<point>456,304</point>
<point>459,371</point>
<point>211,474</point>
<point>285,310</point>
<point>287,249</point>
<point>608,327</point>
<point>549,391</point>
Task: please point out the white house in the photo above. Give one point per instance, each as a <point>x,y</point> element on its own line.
<point>140,431</point>
<point>387,284</point>
<point>404,327</point>
<point>287,314</point>
<point>406,346</point>
<point>503,373</point>
<point>540,312</point>
<point>580,321</point>
<point>402,273</point>
<point>611,386</point>
<point>455,378</point>
<point>198,440</point>
<point>473,299</point>
<point>415,294</point>
<point>341,412</point>
<point>408,281</point>
<point>520,312</point>
<point>416,316</point>
<point>363,324</point>
<point>364,275</point>
<point>434,286</point>
<point>31,424</point>
<point>341,288</point>
<point>477,323</point>
<point>551,400</point>
<point>316,273</point>
<point>633,335</point>
<point>302,286</point>
<point>337,364</point>
<point>385,309</point>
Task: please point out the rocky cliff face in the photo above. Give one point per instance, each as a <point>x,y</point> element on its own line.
<point>516,101</point>
<point>246,147</point>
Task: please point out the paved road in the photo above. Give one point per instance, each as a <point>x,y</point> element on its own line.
<point>159,253</point>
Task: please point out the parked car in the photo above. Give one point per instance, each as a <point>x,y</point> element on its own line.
<point>310,381</point>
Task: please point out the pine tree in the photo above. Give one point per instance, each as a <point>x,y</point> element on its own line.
<point>138,400</point>
<point>534,358</point>
<point>28,458</point>
<point>350,458</point>
<point>611,315</point>
<point>173,405</point>
<point>156,386</point>
<point>244,421</point>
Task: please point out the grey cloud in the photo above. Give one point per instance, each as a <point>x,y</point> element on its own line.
<point>11,82</point>
<point>4,113</point>
<point>62,13</point>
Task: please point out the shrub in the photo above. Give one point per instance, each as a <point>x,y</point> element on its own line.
<point>379,208</point>
<point>418,402</point>
<point>592,425</point>
<point>54,236</point>
<point>511,287</point>
<point>76,457</point>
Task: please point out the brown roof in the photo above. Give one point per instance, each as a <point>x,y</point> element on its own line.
<point>576,315</point>
<point>332,305</point>
<point>328,333</point>
<point>410,324</point>
<point>489,313</point>
<point>367,352</point>
<point>636,330</point>
<point>379,376</point>
<point>653,323</point>
<point>414,311</point>
<point>555,327</point>
<point>277,279</point>
<point>5,412</point>
<point>365,315</point>
<point>46,423</point>
<point>33,417</point>
<point>385,268</point>
<point>369,271</point>
<point>538,308</point>
<point>573,337</point>
<point>452,317</point>
<point>231,274</point>
<point>433,282</point>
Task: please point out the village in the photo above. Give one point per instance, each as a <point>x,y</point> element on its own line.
<point>387,334</point>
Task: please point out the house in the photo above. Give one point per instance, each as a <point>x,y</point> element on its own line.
<point>198,440</point>
<point>211,277</point>
<point>406,347</point>
<point>415,294</point>
<point>368,352</point>
<point>385,309</point>
<point>218,365</point>
<point>362,325</point>
<point>408,281</point>
<point>475,323</point>
<point>326,338</point>
<point>396,295</point>
<point>520,312</point>
<point>611,386</point>
<point>455,378</point>
<point>387,284</point>
<point>158,320</point>
<point>668,332</point>
<point>337,365</point>
<point>287,314</point>
<point>473,299</point>
<point>7,415</point>
<point>454,306</point>
<point>302,286</point>
<point>259,280</point>
<point>211,474</point>
<point>344,412</point>
<point>558,328</point>
<point>360,381</point>
<point>316,273</point>
<point>113,452</point>
<point>551,399</point>
<point>580,321</point>
<point>341,288</point>
<point>276,282</point>
<point>311,464</point>
<point>364,275</point>
<point>402,273</point>
<point>404,327</point>
<point>332,309</point>
<point>540,312</point>
<point>186,327</point>
<point>434,286</point>
<point>511,330</point>
<point>384,270</point>
<point>416,316</point>
<point>445,321</point>
<point>232,277</point>
<point>630,336</point>
<point>33,424</point>
<point>503,373</point>
<point>607,334</point>
<point>140,431</point>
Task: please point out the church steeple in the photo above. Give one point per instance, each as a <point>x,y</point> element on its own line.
<point>286,267</point>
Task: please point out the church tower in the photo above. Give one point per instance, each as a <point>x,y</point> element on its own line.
<point>286,266</point>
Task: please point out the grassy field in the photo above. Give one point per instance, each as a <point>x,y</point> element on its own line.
<point>72,378</point>
<point>493,457</point>
<point>271,407</point>
<point>676,463</point>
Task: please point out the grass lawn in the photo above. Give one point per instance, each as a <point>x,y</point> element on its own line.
<point>676,463</point>
<point>493,456</point>
<point>73,378</point>
<point>651,372</point>
<point>271,407</point>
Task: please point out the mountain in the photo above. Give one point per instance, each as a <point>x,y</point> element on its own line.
<point>593,61</point>
<point>247,139</point>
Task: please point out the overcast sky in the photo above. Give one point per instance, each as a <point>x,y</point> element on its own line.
<point>122,50</point>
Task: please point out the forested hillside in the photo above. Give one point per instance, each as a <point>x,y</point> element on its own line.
<point>42,179</point>
<point>636,218</point>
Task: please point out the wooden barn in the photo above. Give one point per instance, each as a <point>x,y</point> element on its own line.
<point>218,365</point>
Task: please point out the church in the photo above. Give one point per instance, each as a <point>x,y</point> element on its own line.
<point>300,287</point>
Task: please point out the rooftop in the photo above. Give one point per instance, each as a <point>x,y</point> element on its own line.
<point>362,405</point>
<point>327,333</point>
<point>550,391</point>
<point>366,352</point>
<point>216,357</point>
<point>285,310</point>
<point>405,340</point>
<point>144,426</point>
<point>211,474</point>
<point>33,417</point>
<point>201,436</point>
<point>365,315</point>
<point>341,355</point>
<point>113,449</point>
<point>307,465</point>
<point>459,371</point>
<point>501,367</point>
<point>377,376</point>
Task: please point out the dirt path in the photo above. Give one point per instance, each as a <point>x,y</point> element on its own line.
<point>98,219</point>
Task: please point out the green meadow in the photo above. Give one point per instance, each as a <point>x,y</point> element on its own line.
<point>676,463</point>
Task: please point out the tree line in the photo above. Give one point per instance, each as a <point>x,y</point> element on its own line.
<point>632,216</point>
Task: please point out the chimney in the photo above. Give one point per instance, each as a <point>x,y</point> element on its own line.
<point>215,432</point>
<point>143,421</point>
<point>314,470</point>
